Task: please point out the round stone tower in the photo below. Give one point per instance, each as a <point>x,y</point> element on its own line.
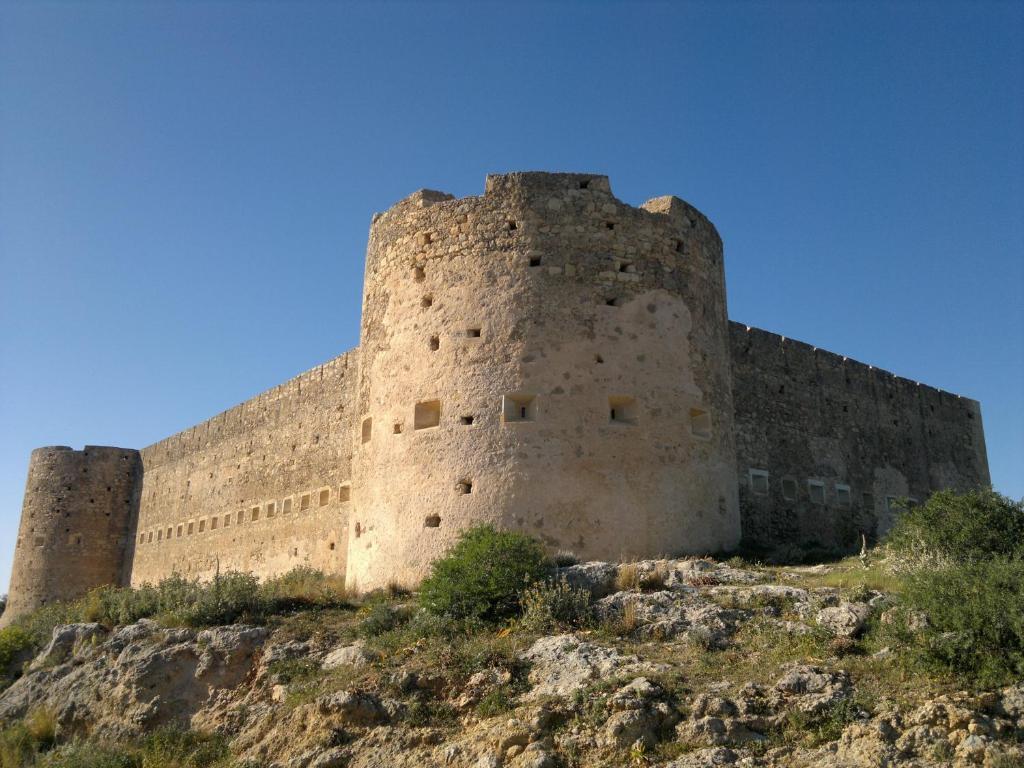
<point>543,358</point>
<point>74,525</point>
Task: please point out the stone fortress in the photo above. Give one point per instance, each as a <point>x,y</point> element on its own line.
<point>544,358</point>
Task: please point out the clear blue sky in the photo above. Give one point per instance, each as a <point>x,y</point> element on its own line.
<point>186,188</point>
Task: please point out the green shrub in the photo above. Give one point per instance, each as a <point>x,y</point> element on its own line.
<point>379,617</point>
<point>483,575</point>
<point>229,598</point>
<point>13,641</point>
<point>303,588</point>
<point>955,527</point>
<point>976,624</point>
<point>551,605</point>
<point>17,749</point>
<point>91,756</point>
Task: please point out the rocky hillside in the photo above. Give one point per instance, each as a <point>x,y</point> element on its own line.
<point>679,663</point>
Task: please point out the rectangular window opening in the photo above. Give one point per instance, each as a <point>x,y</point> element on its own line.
<point>464,487</point>
<point>622,409</point>
<point>759,482</point>
<point>396,429</point>
<point>271,509</point>
<point>286,506</point>
<point>435,343</point>
<point>680,246</point>
<point>473,333</point>
<point>427,414</point>
<point>518,407</point>
<point>816,490</point>
<point>180,530</point>
<point>466,420</point>
<point>255,514</point>
<point>345,493</point>
<point>367,429</point>
<point>304,502</point>
<point>190,528</point>
<point>202,526</point>
<point>789,489</point>
<point>843,496</point>
<point>325,497</point>
<point>700,423</point>
<point>213,523</point>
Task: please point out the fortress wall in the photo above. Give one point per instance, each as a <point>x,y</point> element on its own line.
<point>806,414</point>
<point>242,491</point>
<point>499,332</point>
<point>74,526</point>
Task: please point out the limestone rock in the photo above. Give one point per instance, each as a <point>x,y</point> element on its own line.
<point>845,620</point>
<point>812,689</point>
<point>354,655</point>
<point>596,577</point>
<point>66,639</point>
<point>354,708</point>
<point>564,664</point>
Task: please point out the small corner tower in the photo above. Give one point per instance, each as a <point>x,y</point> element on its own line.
<point>75,525</point>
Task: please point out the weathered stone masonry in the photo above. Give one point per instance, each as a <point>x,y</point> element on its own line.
<point>542,357</point>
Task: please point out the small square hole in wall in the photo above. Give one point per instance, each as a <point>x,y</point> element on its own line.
<point>518,407</point>
<point>465,420</point>
<point>681,246</point>
<point>254,514</point>
<point>367,429</point>
<point>700,423</point>
<point>286,506</point>
<point>426,238</point>
<point>622,409</point>
<point>789,489</point>
<point>427,414</point>
<point>627,267</point>
<point>816,490</point>
<point>843,496</point>
<point>432,521</point>
<point>435,343</point>
<point>396,429</point>
<point>585,184</point>
<point>325,497</point>
<point>598,359</point>
<point>609,225</point>
<point>464,486</point>
<point>304,502</point>
<point>473,333</point>
<point>344,493</point>
<point>535,261</point>
<point>512,226</point>
<point>613,301</point>
<point>759,482</point>
<point>427,301</point>
<point>419,274</point>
